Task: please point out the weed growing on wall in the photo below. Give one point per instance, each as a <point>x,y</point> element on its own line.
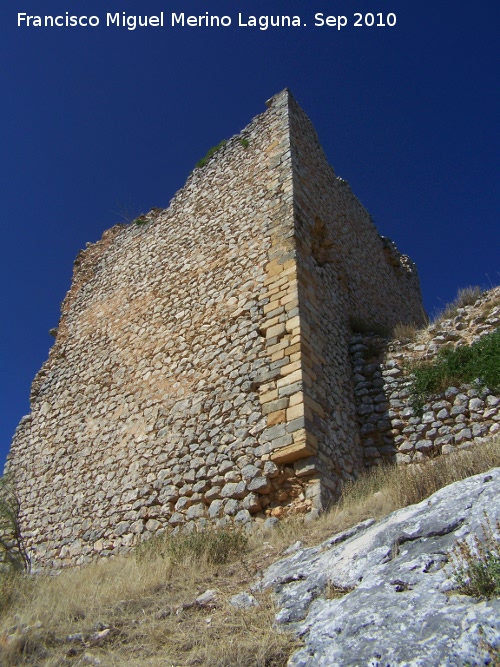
<point>465,364</point>
<point>210,152</point>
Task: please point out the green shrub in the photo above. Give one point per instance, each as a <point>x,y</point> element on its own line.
<point>464,364</point>
<point>244,142</point>
<point>212,151</point>
<point>141,220</point>
<point>476,567</point>
<point>212,545</point>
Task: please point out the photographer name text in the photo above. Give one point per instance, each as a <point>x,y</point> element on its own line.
<point>182,20</point>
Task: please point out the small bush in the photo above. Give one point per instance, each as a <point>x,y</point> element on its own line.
<point>210,545</point>
<point>464,364</point>
<point>141,220</point>
<point>476,566</point>
<point>244,142</point>
<point>211,151</point>
<point>467,296</point>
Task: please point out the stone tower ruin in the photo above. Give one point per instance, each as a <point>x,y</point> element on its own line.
<point>201,368</point>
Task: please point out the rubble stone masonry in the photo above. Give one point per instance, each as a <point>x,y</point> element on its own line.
<point>391,427</point>
<point>201,369</point>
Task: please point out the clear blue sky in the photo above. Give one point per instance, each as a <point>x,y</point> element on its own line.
<point>100,123</point>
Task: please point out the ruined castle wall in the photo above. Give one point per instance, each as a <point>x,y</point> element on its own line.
<point>201,368</point>
<point>147,413</point>
<point>392,429</point>
<point>348,276</point>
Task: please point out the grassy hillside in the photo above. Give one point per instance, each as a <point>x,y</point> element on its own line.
<point>145,609</point>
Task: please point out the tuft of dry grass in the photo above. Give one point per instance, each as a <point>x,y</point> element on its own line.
<point>385,489</point>
<point>467,296</point>
<point>405,333</point>
<point>142,610</point>
<point>210,546</point>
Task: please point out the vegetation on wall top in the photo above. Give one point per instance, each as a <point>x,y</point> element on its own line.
<point>210,152</point>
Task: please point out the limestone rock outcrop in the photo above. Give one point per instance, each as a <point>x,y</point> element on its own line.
<point>399,606</point>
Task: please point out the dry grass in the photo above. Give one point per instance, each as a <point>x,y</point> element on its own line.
<point>491,302</point>
<point>466,296</point>
<point>405,333</point>
<point>385,489</point>
<point>141,610</point>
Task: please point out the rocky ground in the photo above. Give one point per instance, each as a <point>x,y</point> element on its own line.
<point>382,593</point>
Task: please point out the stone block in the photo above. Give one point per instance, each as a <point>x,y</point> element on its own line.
<point>295,424</point>
<point>251,503</point>
<point>274,432</point>
<point>231,507</point>
<point>249,471</point>
<point>195,511</point>
<point>233,490</point>
<point>275,406</point>
<point>290,389</point>
<point>289,379</point>
<point>268,396</point>
<point>215,509</point>
<point>259,485</point>
<point>288,369</point>
<point>276,417</point>
<point>293,323</point>
<point>281,441</point>
<point>292,452</point>
<point>295,411</point>
<point>275,330</point>
<point>306,466</point>
<point>424,445</point>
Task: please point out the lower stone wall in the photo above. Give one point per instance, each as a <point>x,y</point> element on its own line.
<point>390,428</point>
